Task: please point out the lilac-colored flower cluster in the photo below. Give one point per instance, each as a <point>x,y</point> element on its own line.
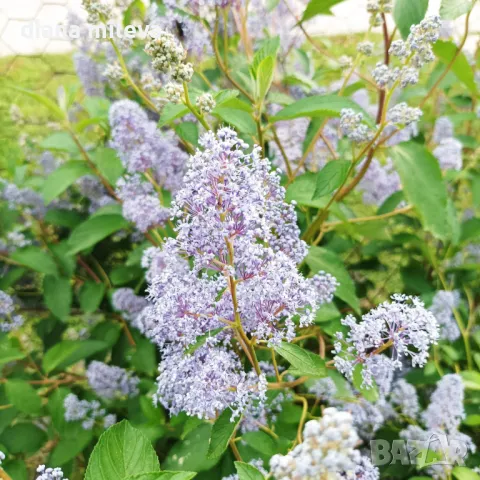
<point>141,146</point>
<point>443,304</point>
<point>89,73</point>
<point>83,410</point>
<point>379,182</point>
<point>399,325</point>
<point>442,420</point>
<point>449,154</point>
<point>124,300</point>
<point>404,396</point>
<point>47,473</point>
<point>232,220</point>
<point>110,381</point>
<point>91,188</point>
<point>8,320</point>
<point>24,199</point>
<point>328,450</point>
<point>155,260</point>
<point>141,204</point>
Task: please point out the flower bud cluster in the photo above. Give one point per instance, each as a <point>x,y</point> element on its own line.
<point>366,48</point>
<point>443,304</point>
<point>47,473</point>
<point>113,71</point>
<point>376,8</point>
<point>8,320</point>
<point>96,10</point>
<point>328,450</point>
<point>399,325</point>
<point>352,126</point>
<point>174,92</point>
<point>205,103</point>
<point>402,114</point>
<point>110,381</point>
<point>83,410</point>
<point>169,56</point>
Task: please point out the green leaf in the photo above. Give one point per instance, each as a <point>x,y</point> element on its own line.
<point>423,186</point>
<point>464,473</point>
<point>471,379</point>
<point>318,106</point>
<point>248,472</point>
<point>122,275</point>
<point>269,48</point>
<point>330,177</point>
<point>318,7</point>
<point>222,432</point>
<point>472,420</point>
<point>121,451</point>
<point>303,361</point>
<point>68,352</point>
<point>239,119</point>
<point>224,95</point>
<point>12,276</point>
<point>320,258</point>
<point>63,218</point>
<point>9,352</point>
<point>462,69</point>
<point>190,454</point>
<point>107,161</point>
<point>165,475</point>
<point>57,293</point>
<point>370,394</point>
<point>59,180</point>
<point>44,100</point>
<point>144,359</point>
<point>170,112</point>
<point>301,190</point>
<point>201,339</point>
<point>23,396</point>
<point>407,13</point>
<point>60,141</point>
<point>97,107</point>
<point>23,438</point>
<point>264,77</point>
<point>94,230</point>
<point>452,9</point>
<point>470,231</point>
<point>188,131</point>
<point>90,296</point>
<point>69,447</point>
<point>35,259</point>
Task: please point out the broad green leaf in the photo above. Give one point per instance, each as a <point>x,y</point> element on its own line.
<point>302,190</point>
<point>63,218</point>
<point>222,432</point>
<point>248,472</point>
<point>36,259</point>
<point>264,77</point>
<point>57,293</point>
<point>201,339</point>
<point>60,141</point>
<point>107,161</point>
<point>110,209</point>
<point>94,230</point>
<point>320,258</point>
<point>303,361</point>
<point>269,48</point>
<point>471,379</point>
<point>330,177</point>
<point>90,296</point>
<point>188,131</point>
<point>97,107</point>
<point>23,438</point>
<point>224,95</point>
<point>170,112</point>
<point>9,352</point>
<point>239,119</point>
<point>464,473</point>
<point>59,180</point>
<point>122,275</point>
<point>12,276</point>
<point>407,13</point>
<point>470,231</point>
<point>23,396</point>
<point>318,106</point>
<point>68,448</point>
<point>472,420</point>
<point>190,454</point>
<point>261,442</point>
<point>144,360</point>
<point>423,186</point>
<point>165,475</point>
<point>462,69</point>
<point>318,7</point>
<point>121,452</point>
<point>68,352</point>
<point>452,9</point>
<point>370,394</point>
<point>44,100</point>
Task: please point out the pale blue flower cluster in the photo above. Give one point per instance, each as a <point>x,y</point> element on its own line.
<point>8,319</point>
<point>87,412</point>
<point>47,473</point>
<point>443,304</point>
<point>110,381</point>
